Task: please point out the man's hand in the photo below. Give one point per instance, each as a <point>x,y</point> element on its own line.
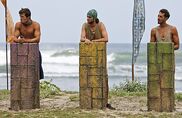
<point>87,41</point>
<point>20,40</point>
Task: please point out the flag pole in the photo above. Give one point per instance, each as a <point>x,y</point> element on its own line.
<point>133,75</point>
<point>6,31</point>
<point>132,67</point>
<point>138,28</point>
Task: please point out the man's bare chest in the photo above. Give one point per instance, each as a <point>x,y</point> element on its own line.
<point>164,32</point>
<point>27,31</point>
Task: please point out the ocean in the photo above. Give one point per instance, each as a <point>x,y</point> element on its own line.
<point>61,65</point>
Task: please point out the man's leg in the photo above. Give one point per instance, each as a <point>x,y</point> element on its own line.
<point>107,95</point>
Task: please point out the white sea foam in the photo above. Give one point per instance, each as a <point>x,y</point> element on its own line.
<point>63,62</point>
<point>3,57</point>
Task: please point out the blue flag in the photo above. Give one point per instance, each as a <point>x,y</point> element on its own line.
<point>138,27</point>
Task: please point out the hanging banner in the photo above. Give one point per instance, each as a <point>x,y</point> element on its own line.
<point>10,23</point>
<point>138,27</point>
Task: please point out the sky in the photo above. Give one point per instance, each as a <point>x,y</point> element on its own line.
<point>61,20</point>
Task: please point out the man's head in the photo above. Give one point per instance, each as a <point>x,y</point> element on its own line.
<point>92,16</point>
<point>163,16</point>
<point>25,15</point>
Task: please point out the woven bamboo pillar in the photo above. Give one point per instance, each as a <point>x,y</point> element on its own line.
<point>161,77</point>
<point>24,76</point>
<point>93,80</point>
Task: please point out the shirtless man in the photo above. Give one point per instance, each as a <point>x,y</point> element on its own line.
<point>27,31</point>
<point>165,32</point>
<point>93,30</point>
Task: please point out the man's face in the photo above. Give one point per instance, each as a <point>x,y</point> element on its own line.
<point>90,19</point>
<point>24,19</point>
<point>161,18</point>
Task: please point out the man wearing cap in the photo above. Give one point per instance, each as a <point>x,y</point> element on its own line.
<point>93,30</point>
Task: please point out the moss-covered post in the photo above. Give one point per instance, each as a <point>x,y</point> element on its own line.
<point>93,79</point>
<point>24,59</point>
<point>161,69</point>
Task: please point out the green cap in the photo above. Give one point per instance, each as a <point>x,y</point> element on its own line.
<point>92,13</point>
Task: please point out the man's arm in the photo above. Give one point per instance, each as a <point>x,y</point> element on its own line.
<point>17,33</point>
<point>37,34</point>
<point>175,38</point>
<point>83,35</point>
<point>104,34</point>
<point>152,36</point>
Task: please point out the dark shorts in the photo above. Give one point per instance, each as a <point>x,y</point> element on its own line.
<point>41,69</point>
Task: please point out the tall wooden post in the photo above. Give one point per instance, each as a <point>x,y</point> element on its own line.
<point>6,35</point>
<point>24,76</point>
<point>161,69</point>
<point>93,77</point>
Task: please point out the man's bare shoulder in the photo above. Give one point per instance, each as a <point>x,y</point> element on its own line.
<point>172,27</point>
<point>18,24</point>
<point>35,24</point>
<point>101,23</point>
<point>84,24</point>
<point>153,30</point>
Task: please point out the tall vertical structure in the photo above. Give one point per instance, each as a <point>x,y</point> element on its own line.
<point>161,69</point>
<point>137,29</point>
<point>24,76</point>
<point>93,76</point>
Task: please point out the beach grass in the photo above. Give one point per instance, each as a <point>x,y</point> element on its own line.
<point>129,88</point>
<point>49,113</point>
<point>178,96</point>
<point>4,94</point>
<point>47,89</point>
<point>78,113</point>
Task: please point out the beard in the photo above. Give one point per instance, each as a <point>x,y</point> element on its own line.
<point>159,22</point>
<point>91,22</point>
<point>27,23</point>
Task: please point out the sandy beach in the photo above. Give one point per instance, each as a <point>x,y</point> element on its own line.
<point>131,106</point>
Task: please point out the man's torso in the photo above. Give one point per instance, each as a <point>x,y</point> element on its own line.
<point>95,33</point>
<point>27,31</point>
<point>163,34</point>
